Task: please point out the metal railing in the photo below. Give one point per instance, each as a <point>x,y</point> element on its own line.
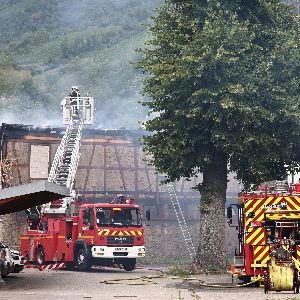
<point>76,112</point>
<point>59,154</point>
<point>84,105</point>
<point>75,157</point>
<point>67,156</point>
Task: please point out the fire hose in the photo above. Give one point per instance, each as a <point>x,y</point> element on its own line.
<point>145,280</point>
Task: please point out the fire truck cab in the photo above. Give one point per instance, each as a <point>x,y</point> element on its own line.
<point>268,224</point>
<point>102,234</point>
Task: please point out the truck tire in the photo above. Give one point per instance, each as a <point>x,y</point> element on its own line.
<point>129,264</point>
<point>70,266</point>
<point>40,256</point>
<point>82,260</point>
<point>3,270</point>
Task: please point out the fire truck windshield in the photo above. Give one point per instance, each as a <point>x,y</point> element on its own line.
<point>118,217</point>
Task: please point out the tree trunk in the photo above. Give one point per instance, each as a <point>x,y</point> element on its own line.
<point>211,254</point>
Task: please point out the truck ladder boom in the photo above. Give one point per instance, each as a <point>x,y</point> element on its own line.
<point>76,112</point>
<point>67,156</point>
<point>181,221</point>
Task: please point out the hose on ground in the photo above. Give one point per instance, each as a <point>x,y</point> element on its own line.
<point>144,280</point>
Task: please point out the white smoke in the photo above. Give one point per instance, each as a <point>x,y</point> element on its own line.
<point>117,105</point>
<point>41,119</point>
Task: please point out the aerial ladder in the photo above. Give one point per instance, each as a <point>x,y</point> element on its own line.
<point>77,111</point>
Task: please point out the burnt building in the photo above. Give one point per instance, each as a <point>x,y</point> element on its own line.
<point>112,162</point>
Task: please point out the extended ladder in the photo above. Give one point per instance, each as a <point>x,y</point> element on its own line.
<point>181,221</point>
<point>67,156</point>
<point>76,112</point>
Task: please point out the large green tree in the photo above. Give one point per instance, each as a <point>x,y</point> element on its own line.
<point>222,87</point>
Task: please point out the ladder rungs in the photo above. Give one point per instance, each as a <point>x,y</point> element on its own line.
<point>181,221</point>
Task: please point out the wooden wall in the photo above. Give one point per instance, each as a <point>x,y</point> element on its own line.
<point>111,162</point>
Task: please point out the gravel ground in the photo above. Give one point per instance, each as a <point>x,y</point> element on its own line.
<point>34,284</point>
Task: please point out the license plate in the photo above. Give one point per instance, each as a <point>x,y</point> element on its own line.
<point>121,249</point>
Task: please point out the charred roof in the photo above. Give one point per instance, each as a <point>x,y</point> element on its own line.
<point>18,131</point>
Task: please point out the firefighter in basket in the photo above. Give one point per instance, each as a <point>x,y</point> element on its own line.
<point>73,101</point>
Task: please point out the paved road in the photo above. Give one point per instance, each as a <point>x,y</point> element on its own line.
<point>67,285</point>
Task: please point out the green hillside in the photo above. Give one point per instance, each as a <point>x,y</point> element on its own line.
<point>48,46</point>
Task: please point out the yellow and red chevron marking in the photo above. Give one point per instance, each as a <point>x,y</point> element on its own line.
<point>249,204</point>
<point>256,236</point>
<point>293,202</point>
<point>258,208</point>
<point>261,255</point>
<point>261,205</point>
<point>298,252</point>
<point>120,232</point>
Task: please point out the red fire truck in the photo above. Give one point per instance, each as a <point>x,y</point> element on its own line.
<point>97,234</point>
<point>92,234</point>
<point>268,224</point>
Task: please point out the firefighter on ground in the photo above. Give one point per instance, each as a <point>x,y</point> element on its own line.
<point>74,95</point>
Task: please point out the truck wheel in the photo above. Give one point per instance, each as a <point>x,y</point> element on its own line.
<point>83,263</point>
<point>129,265</point>
<point>69,266</point>
<point>3,269</point>
<point>17,269</point>
<point>40,256</point>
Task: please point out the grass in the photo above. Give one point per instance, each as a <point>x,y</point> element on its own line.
<point>179,271</point>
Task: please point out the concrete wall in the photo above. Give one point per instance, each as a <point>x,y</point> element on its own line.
<point>164,242</point>
<point>11,230</point>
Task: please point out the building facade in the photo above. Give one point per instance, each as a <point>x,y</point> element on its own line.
<point>111,162</point>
